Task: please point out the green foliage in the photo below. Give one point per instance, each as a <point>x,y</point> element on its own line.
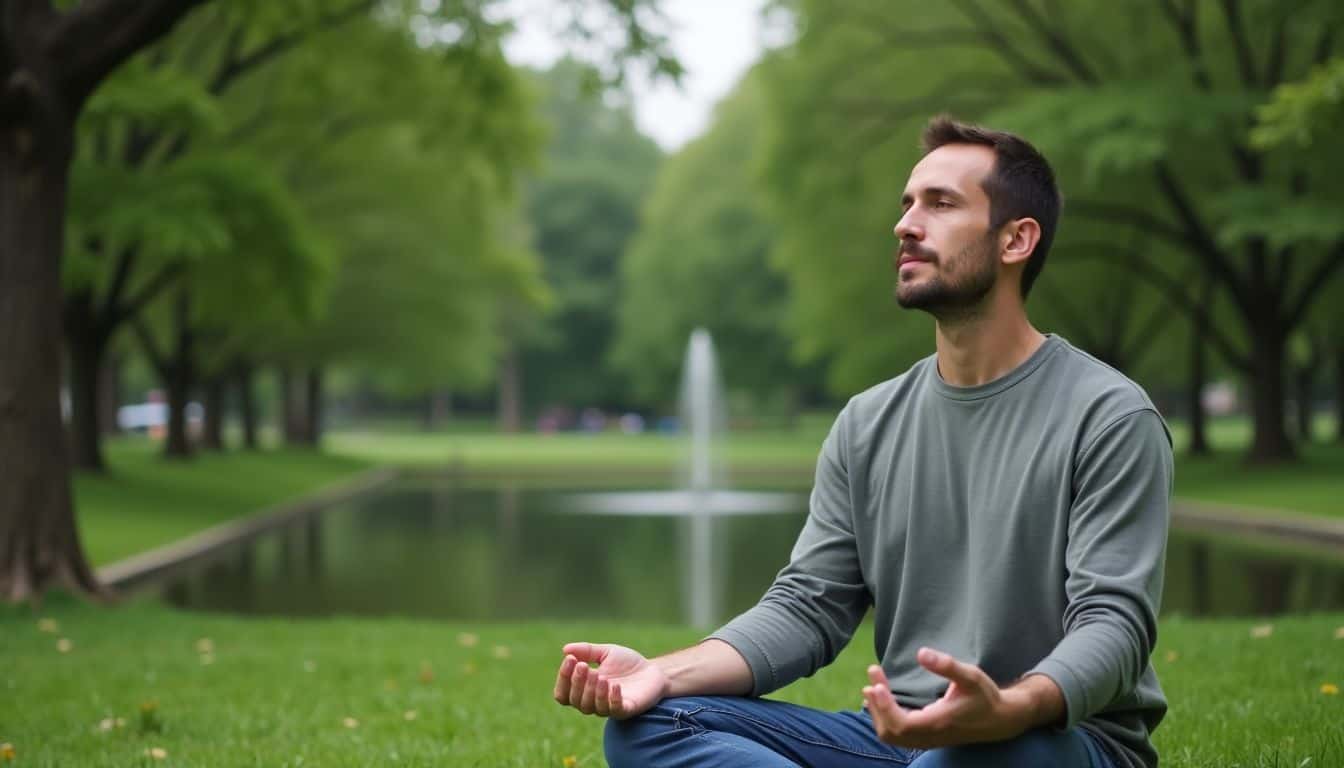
<point>582,208</point>
<point>701,260</point>
<point>1302,112</point>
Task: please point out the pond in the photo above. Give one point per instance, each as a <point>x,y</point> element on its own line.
<point>464,550</point>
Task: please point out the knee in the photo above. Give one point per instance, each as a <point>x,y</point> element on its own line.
<point>627,742</point>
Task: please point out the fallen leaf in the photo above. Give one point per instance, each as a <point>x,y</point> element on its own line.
<point>48,625</point>
<point>350,722</point>
<point>205,645</point>
<point>1262,631</point>
<point>7,752</point>
<point>158,753</point>
<point>1330,689</point>
<point>411,714</point>
<point>64,645</point>
<point>1339,633</point>
<point>1172,656</point>
<point>501,652</point>
<point>467,640</point>
<point>570,761</point>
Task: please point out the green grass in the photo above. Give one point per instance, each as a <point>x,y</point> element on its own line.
<point>278,691</point>
<point>144,502</point>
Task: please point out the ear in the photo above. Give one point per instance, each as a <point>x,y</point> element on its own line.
<point>1018,240</point>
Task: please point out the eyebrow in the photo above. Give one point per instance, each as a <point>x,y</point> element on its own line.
<point>907,198</point>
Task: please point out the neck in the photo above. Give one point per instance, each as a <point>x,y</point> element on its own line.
<point>979,345</point>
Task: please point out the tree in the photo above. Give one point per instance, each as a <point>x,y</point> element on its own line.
<point>582,209</point>
<point>1239,214</point>
<point>701,259</point>
<point>51,61</point>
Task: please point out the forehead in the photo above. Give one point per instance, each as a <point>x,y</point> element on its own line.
<point>959,167</point>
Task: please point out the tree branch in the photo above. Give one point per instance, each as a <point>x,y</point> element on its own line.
<point>161,280</point>
<point>1136,217</point>
<point>1318,279</point>
<point>236,63</point>
<point>1063,51</point>
<point>1187,31</point>
<point>1010,55</point>
<point>125,262</point>
<point>1245,59</point>
<point>96,36</point>
<point>151,349</point>
<point>1274,62</point>
<point>1201,239</point>
<point>1175,291</point>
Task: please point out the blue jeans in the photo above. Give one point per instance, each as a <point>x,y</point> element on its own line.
<point>730,731</point>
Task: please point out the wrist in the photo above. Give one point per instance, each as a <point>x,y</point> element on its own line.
<point>1035,701</point>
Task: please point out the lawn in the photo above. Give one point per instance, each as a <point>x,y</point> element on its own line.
<point>144,502</point>
<point>271,692</point>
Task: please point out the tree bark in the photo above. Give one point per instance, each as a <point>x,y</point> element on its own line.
<point>213,436</point>
<point>247,405</point>
<point>1304,379</point>
<point>180,379</point>
<point>312,402</point>
<point>1199,441</point>
<point>109,394</point>
<point>291,408</point>
<point>510,383</point>
<point>86,345</point>
<point>1270,443</point>
<point>39,544</point>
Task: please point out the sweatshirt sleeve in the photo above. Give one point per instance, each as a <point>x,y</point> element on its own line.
<point>809,613</point>
<point>1115,556</point>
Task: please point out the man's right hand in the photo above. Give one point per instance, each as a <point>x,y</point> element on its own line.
<point>624,684</point>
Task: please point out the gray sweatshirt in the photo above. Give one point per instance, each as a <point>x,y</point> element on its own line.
<point>1020,526</point>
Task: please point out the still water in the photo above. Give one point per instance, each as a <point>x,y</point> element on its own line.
<point>445,549</point>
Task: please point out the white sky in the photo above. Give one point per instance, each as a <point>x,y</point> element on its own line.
<point>716,41</point>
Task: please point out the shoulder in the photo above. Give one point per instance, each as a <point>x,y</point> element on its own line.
<point>870,409</point>
<point>1098,396</point>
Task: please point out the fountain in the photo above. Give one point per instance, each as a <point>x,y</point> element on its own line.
<point>704,494</point>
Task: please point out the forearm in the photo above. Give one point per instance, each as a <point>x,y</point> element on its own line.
<point>708,669</point>
<point>1037,700</point>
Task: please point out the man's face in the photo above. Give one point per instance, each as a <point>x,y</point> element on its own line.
<point>948,259</point>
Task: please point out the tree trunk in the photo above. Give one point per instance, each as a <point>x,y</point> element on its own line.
<point>1270,443</point>
<point>1304,378</point>
<point>291,408</point>
<point>86,344</point>
<point>247,406</point>
<point>109,394</point>
<point>39,544</point>
<point>213,437</point>
<point>510,382</point>
<point>180,380</point>
<point>312,400</point>
<point>1339,391</point>
<point>1199,441</point>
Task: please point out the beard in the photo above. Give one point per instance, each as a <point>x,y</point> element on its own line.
<point>946,298</point>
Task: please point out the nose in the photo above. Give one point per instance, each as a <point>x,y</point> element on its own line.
<point>908,227</point>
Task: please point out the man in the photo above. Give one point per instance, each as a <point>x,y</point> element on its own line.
<point>1002,507</point>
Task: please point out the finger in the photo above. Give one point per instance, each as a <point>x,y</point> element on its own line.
<point>589,652</point>
<point>876,675</point>
<point>588,705</point>
<point>562,679</point>
<point>942,664</point>
<point>602,697</point>
<point>577,682</point>
<point>616,702</point>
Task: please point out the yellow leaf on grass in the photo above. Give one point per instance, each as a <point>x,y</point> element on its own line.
<point>570,761</point>
<point>1330,689</point>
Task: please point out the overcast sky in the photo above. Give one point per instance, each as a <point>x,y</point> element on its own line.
<point>716,41</point>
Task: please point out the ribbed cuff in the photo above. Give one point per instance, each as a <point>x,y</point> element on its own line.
<point>763,677</point>
<point>1069,685</point>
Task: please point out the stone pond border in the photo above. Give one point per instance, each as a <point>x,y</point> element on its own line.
<point>149,567</point>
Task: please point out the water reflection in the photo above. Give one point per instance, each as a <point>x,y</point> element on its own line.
<point>438,549</point>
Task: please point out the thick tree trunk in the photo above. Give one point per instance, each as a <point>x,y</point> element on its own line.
<point>247,405</point>
<point>39,544</point>
<point>312,401</point>
<point>510,387</point>
<point>1199,441</point>
<point>1270,443</point>
<point>180,380</point>
<point>213,436</point>
<point>86,345</point>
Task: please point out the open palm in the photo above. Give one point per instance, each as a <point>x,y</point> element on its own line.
<point>624,684</point>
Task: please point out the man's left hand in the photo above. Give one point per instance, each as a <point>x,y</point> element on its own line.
<point>974,709</point>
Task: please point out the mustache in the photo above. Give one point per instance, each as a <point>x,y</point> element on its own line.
<point>918,251</point>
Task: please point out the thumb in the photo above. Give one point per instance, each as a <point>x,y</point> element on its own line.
<point>593,653</point>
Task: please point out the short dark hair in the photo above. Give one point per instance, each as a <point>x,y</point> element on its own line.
<point>1021,185</point>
